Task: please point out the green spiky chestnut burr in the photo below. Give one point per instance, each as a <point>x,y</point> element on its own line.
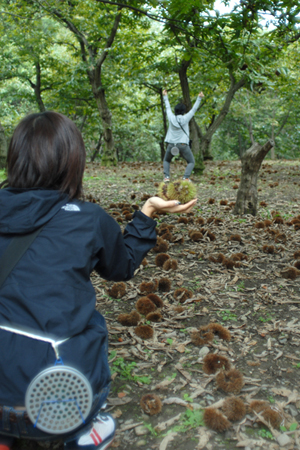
<point>182,190</point>
<point>162,191</point>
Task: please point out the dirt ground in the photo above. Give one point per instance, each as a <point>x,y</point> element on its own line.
<point>240,274</point>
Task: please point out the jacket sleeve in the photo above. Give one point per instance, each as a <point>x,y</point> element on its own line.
<point>187,117</point>
<point>119,255</point>
<point>170,115</point>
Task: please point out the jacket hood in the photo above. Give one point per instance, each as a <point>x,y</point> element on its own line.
<point>25,210</point>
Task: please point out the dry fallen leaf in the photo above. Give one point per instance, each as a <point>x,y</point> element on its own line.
<point>167,440</point>
<point>174,400</point>
<point>121,394</point>
<point>164,384</point>
<point>118,401</point>
<point>180,348</point>
<point>168,423</point>
<point>204,437</point>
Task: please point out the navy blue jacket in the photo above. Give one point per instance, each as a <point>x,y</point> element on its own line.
<point>49,289</point>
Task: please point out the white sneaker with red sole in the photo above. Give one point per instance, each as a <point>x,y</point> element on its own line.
<point>99,437</point>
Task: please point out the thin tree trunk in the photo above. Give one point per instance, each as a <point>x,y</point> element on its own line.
<point>215,124</point>
<point>82,123</point>
<point>94,62</point>
<point>246,202</point>
<point>273,139</point>
<point>251,131</point>
<point>3,148</point>
<point>163,111</point>
<point>97,149</point>
<point>158,90</point>
<point>37,88</point>
<point>109,155</point>
<point>162,148</point>
<point>241,150</point>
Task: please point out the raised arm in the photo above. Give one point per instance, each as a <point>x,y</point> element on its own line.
<point>167,104</point>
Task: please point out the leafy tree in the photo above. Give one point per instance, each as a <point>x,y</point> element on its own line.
<point>31,56</point>
<point>94,27</point>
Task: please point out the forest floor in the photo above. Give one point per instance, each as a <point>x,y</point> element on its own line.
<point>255,301</point>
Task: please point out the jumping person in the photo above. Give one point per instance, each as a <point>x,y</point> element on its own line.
<point>49,291</point>
<point>177,136</point>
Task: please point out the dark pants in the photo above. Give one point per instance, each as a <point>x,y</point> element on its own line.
<point>185,152</point>
<point>20,428</point>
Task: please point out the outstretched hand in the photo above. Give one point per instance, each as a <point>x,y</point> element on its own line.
<point>165,92</point>
<point>154,204</point>
<point>201,95</point>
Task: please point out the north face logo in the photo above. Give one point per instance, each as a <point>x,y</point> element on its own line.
<point>70,207</point>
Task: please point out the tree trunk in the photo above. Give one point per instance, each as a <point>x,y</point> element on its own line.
<point>158,90</point>
<point>37,88</point>
<point>246,202</point>
<point>163,111</point>
<point>162,141</point>
<point>204,148</point>
<point>162,148</point>
<point>3,148</point>
<point>241,150</point>
<point>94,60</point>
<point>273,139</point>
<point>97,149</point>
<point>215,124</point>
<point>109,154</point>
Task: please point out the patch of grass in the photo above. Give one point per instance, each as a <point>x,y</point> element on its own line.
<point>125,371</point>
<point>150,428</point>
<point>227,315</point>
<point>267,318</point>
<point>240,286</point>
<point>266,434</point>
<point>187,398</point>
<point>189,420</point>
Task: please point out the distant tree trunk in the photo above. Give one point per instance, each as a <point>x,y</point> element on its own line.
<point>162,148</point>
<point>159,90</point>
<point>37,87</point>
<point>273,139</point>
<point>3,148</point>
<point>82,123</point>
<point>241,150</point>
<point>109,157</point>
<point>215,124</point>
<point>246,202</point>
<point>97,149</point>
<point>162,141</point>
<point>163,111</point>
<point>94,60</point>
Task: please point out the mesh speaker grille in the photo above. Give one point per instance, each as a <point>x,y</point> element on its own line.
<point>58,399</point>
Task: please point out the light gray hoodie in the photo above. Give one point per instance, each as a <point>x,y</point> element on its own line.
<point>175,134</point>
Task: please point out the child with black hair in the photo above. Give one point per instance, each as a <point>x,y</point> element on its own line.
<point>48,292</point>
<point>177,136</point>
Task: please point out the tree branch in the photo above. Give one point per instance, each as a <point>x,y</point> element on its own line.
<point>108,44</point>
